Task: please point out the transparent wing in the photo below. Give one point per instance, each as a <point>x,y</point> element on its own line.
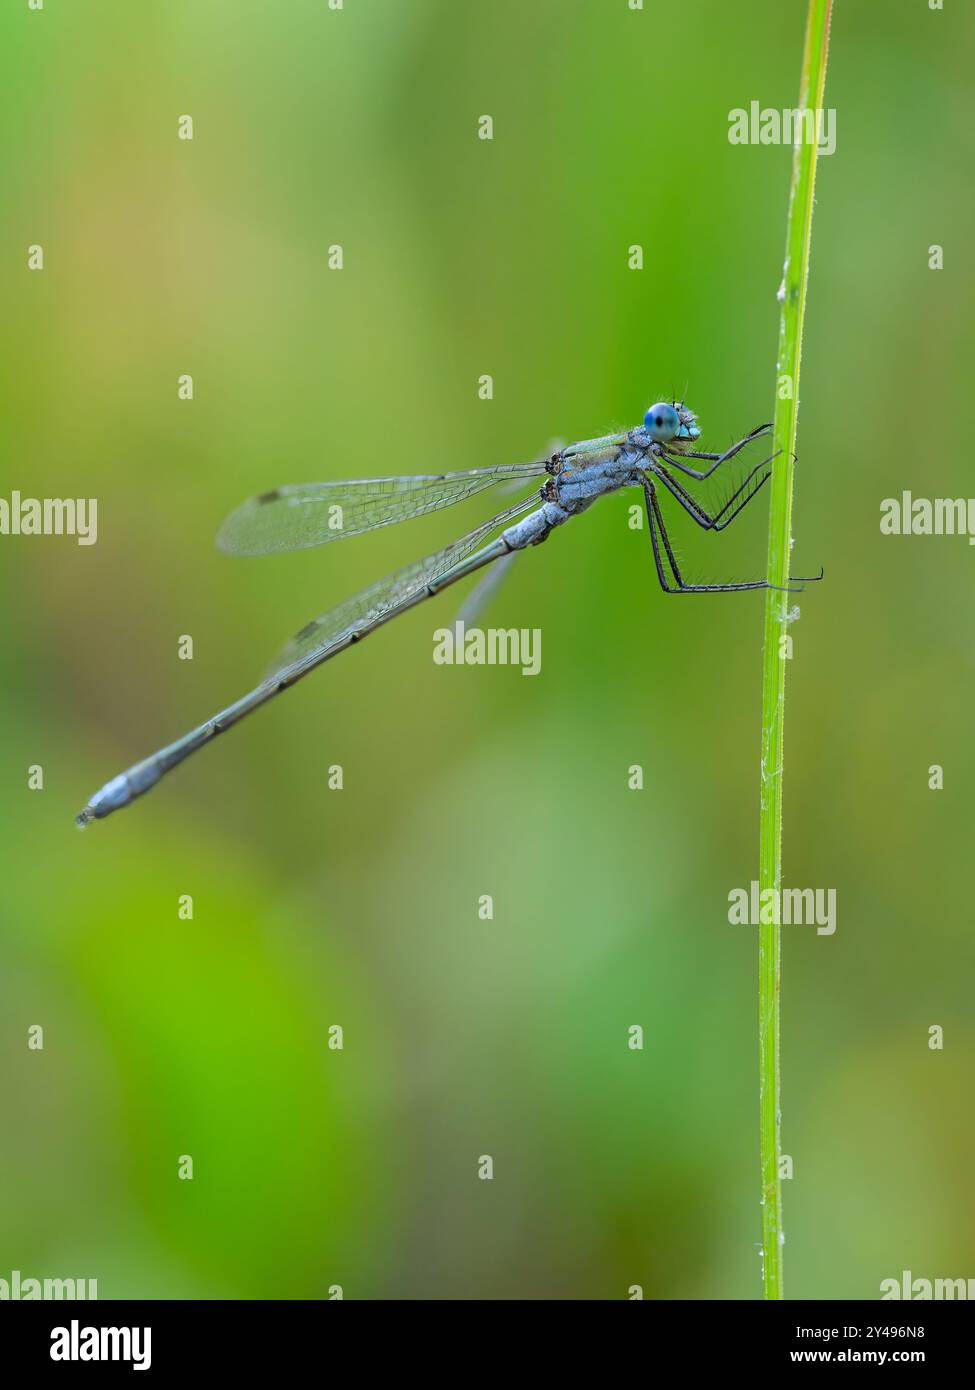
<point>363,610</point>
<point>484,593</point>
<point>308,514</point>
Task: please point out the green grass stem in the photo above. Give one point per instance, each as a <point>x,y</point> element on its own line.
<point>792,296</point>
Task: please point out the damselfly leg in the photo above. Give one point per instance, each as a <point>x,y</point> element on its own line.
<point>676,460</point>
<point>692,506</point>
<point>655,520</point>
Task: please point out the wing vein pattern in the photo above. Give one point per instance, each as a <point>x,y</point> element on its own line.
<point>302,515</point>
<point>363,609</point>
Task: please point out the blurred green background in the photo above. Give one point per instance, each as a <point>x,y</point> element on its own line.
<point>358,907</point>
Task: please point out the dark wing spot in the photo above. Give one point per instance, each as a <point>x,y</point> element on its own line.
<point>271,496</point>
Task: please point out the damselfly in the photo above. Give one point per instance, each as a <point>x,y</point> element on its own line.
<point>310,514</point>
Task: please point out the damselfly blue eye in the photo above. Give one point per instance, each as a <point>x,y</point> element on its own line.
<point>661,422</point>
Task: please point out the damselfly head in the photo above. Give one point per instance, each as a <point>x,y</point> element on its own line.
<point>665,422</point>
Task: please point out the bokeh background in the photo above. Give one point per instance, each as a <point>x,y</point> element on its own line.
<point>358,907</point>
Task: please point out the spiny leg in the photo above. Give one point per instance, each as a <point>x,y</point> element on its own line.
<point>650,493</point>
<point>704,519</point>
<point>719,524</point>
<point>655,519</point>
<point>716,459</point>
